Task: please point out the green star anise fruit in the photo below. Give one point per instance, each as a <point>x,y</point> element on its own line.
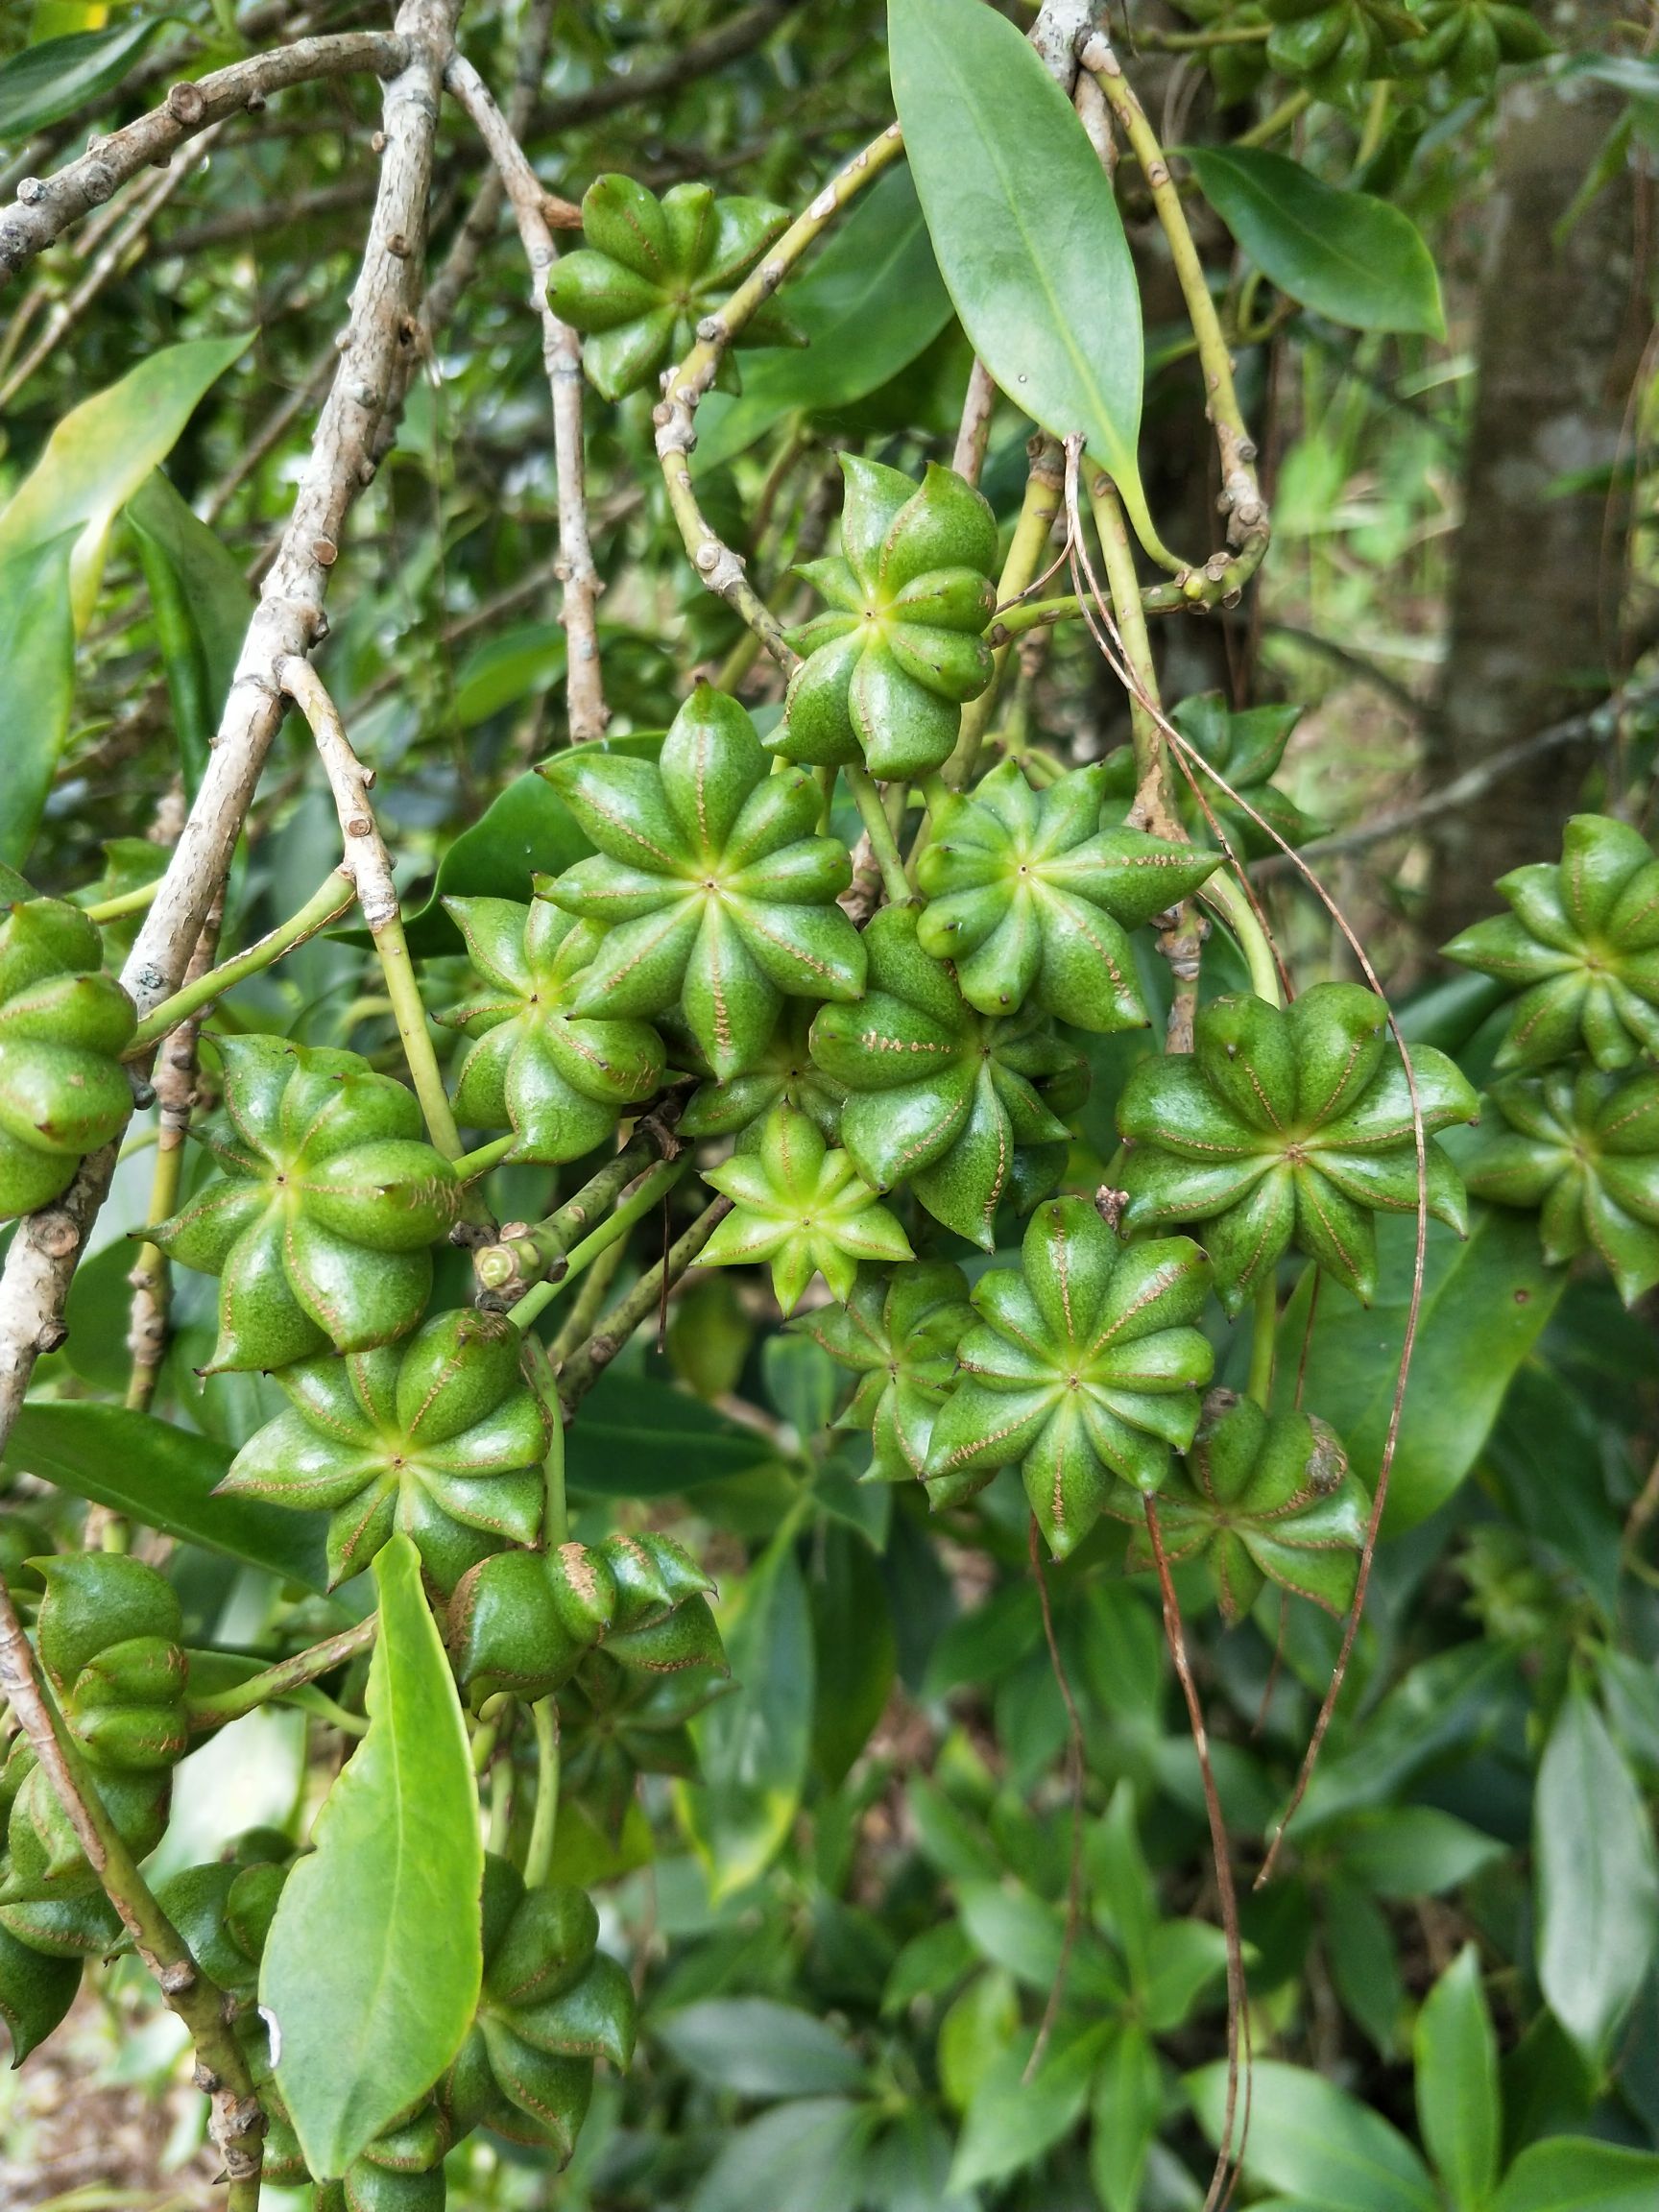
<point>402,2170</point>
<point>900,649</point>
<point>224,1910</point>
<point>718,894</point>
<point>898,1333</point>
<point>1289,1127</point>
<point>64,1026</point>
<point>1581,947</point>
<point>440,1436</point>
<point>526,1621</point>
<point>1261,1501</point>
<point>802,1210</point>
<point>784,1073</point>
<point>1083,1370</point>
<point>1031,899</point>
<point>559,1083</point>
<point>1338,48</point>
<point>1248,748</point>
<point>652,269</point>
<point>551,2004</point>
<point>109,1635</point>
<point>1584,1149</point>
<point>319,1228</point>
<point>1468,40</point>
<point>939,1095</point>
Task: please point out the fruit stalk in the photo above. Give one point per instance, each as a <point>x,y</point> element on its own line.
<point>331,898</point>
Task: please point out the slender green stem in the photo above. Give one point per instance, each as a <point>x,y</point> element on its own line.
<point>543,1824</point>
<point>332,897</point>
<point>1263,1340</point>
<point>541,1248</point>
<point>1151,764</point>
<point>1227,897</point>
<point>585,1365</point>
<point>652,1187</point>
<point>555,1512</point>
<point>409,1012</point>
<point>586,1308</point>
<point>126,902</point>
<point>867,798</point>
<point>281,1680</point>
<point>1281,118</point>
<point>472,1165</point>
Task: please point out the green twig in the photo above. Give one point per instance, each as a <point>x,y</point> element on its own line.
<point>275,1683</point>
<point>331,898</point>
<point>543,1824</point>
<point>584,1366</point>
<point>867,798</point>
<point>651,1187</point>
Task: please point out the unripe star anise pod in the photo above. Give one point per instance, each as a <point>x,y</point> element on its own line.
<point>1584,1151</point>
<point>320,1228</point>
<point>784,1073</point>
<point>801,1209</point>
<point>559,1082</point>
<point>1083,1371</point>
<point>1246,746</point>
<point>652,269</point>
<point>889,667</point>
<point>1031,899</point>
<point>1261,1499</point>
<point>898,1333</point>
<point>440,1437</point>
<point>1581,947</point>
<point>401,2170</point>
<point>1466,40</point>
<point>1289,1127</point>
<point>224,1910</point>
<point>940,1095</point>
<point>718,894</point>
<point>551,2004</point>
<point>110,1636</point>
<point>63,1023</point>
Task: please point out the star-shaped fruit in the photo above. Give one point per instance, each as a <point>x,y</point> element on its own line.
<point>1288,1127</point>
<point>320,1227</point>
<point>717,894</point>
<point>1031,899</point>
<point>1248,748</point>
<point>440,1437</point>
<point>1261,1499</point>
<point>1581,947</point>
<point>800,1208</point>
<point>560,1082</point>
<point>898,1333</point>
<point>1584,1149</point>
<point>1083,1371</point>
<point>939,1094</point>
<point>784,1073</point>
<point>889,667</point>
<point>651,269</point>
<point>63,1024</point>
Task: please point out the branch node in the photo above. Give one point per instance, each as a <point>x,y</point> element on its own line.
<point>31,191</point>
<point>185,104</point>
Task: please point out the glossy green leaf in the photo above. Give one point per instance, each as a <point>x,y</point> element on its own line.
<point>50,80</point>
<point>506,668</point>
<point>101,451</point>
<point>164,1478</point>
<point>1011,2121</point>
<point>807,2156</point>
<point>1347,256</point>
<point>1458,2109</point>
<point>757,2047</point>
<point>641,1438</point>
<point>38,652</point>
<point>1486,1302</point>
<point>372,1966</point>
<point>1598,1878</point>
<point>201,606</point>
<point>868,305</point>
<point>1411,1850</point>
<point>755,1744</point>
<point>1124,2112</point>
<point>1310,2140</point>
<point>1575,2174</point>
<point>856,1653</point>
<point>527,830</point>
<point>1026,227</point>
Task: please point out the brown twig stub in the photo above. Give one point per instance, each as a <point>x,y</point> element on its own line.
<point>46,207</point>
<point>562,356</point>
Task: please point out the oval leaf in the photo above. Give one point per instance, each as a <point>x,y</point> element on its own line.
<point>100,452</point>
<point>1357,259</point>
<point>37,653</point>
<point>50,80</point>
<point>201,606</point>
<point>164,1478</point>
<point>373,1967</point>
<point>1025,227</point>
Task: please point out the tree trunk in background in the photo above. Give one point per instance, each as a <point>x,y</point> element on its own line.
<point>1535,596</point>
